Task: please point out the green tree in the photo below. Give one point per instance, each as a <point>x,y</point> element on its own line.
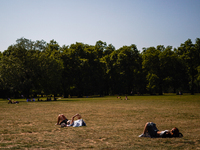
<point>151,65</point>
<point>190,54</point>
<point>51,67</point>
<point>112,85</point>
<point>1,55</point>
<point>129,65</point>
<point>108,50</point>
<point>197,77</point>
<point>173,70</point>
<point>30,67</point>
<point>123,70</point>
<point>19,67</point>
<point>73,75</point>
<point>107,62</point>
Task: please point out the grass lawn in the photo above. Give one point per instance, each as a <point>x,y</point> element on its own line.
<point>111,123</point>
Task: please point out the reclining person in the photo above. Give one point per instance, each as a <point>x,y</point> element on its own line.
<point>64,122</point>
<point>12,102</point>
<point>150,130</point>
<point>61,119</point>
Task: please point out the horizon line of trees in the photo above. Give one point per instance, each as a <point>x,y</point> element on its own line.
<point>35,67</point>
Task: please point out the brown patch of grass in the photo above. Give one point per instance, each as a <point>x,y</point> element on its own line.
<point>111,123</point>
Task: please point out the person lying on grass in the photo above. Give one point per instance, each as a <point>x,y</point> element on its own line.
<point>150,130</point>
<point>64,122</point>
<point>12,102</point>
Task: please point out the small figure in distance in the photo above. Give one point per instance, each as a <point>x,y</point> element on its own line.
<point>150,130</point>
<point>12,101</point>
<point>126,98</point>
<point>179,93</point>
<point>119,98</point>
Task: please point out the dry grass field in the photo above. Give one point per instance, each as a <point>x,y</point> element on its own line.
<point>111,123</point>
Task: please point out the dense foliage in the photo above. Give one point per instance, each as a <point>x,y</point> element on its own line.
<point>29,67</point>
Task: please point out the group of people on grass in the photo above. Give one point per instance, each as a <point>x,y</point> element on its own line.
<point>150,129</point>
<point>48,99</point>
<point>126,98</point>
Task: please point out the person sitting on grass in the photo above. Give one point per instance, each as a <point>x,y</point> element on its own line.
<point>64,122</point>
<point>150,130</point>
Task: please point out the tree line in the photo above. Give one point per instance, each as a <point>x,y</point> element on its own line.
<point>37,67</point>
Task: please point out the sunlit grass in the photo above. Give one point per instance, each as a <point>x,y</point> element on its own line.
<point>111,123</point>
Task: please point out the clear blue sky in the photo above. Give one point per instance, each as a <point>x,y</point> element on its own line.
<point>144,23</point>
